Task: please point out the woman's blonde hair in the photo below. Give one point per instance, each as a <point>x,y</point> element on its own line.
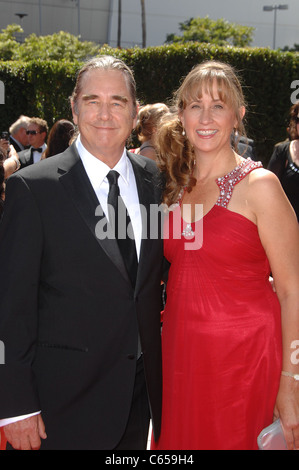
<point>148,119</point>
<point>176,156</point>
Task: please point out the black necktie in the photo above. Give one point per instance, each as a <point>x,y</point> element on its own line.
<point>122,227</point>
<point>34,150</point>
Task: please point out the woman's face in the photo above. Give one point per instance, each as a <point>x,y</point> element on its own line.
<point>209,122</point>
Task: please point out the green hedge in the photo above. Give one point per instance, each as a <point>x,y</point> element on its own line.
<point>38,88</point>
<point>42,88</point>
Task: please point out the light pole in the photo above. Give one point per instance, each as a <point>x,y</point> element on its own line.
<point>275,8</point>
<point>78,9</point>
<point>40,17</point>
<point>20,36</point>
<point>119,24</point>
<point>143,22</point>
<point>21,16</point>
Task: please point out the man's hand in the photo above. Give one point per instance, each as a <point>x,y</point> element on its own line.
<point>26,434</point>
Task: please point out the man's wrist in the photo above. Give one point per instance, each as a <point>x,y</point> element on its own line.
<point>6,421</point>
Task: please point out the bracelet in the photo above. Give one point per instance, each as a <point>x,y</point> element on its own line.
<point>288,374</point>
<point>17,162</point>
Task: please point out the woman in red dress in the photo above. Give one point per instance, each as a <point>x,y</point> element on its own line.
<point>227,337</point>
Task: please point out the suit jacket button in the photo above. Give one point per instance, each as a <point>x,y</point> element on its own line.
<point>131,356</point>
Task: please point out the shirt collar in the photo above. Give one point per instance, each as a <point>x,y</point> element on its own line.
<point>98,170</point>
<point>43,147</point>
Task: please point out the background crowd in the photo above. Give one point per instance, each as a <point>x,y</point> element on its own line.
<point>29,141</point>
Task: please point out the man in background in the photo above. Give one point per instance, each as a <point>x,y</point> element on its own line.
<point>18,136</point>
<point>37,134</point>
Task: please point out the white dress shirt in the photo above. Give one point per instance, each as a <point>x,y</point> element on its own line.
<point>38,155</point>
<point>97,171</point>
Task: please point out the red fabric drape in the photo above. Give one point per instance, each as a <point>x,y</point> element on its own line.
<point>3,440</point>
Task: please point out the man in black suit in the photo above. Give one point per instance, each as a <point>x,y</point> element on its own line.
<point>81,332</point>
<point>37,134</point>
<point>18,136</point>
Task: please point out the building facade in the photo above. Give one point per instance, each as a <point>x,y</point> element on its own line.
<point>117,22</point>
<point>89,19</point>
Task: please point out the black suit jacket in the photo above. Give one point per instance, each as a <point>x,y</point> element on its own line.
<point>69,317</point>
<point>15,144</point>
<point>25,157</point>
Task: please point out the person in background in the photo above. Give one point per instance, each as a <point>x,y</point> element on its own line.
<point>228,339</point>
<point>148,120</point>
<point>2,178</point>
<point>18,136</point>
<point>4,144</point>
<point>37,134</point>
<point>284,161</point>
<point>59,138</point>
<point>10,157</point>
<point>244,146</point>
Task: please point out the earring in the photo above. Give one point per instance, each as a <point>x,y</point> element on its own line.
<point>183,132</point>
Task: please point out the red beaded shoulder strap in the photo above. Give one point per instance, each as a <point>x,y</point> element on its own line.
<point>227,183</point>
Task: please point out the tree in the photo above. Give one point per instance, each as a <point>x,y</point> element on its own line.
<point>58,46</point>
<point>219,32</point>
<point>295,48</point>
<point>8,42</point>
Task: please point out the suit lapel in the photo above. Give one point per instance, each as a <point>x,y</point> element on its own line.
<point>26,157</point>
<point>145,187</point>
<point>30,156</point>
<point>75,181</point>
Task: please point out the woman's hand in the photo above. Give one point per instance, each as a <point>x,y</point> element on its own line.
<point>287,409</point>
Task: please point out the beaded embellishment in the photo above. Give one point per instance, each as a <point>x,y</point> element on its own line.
<point>294,168</point>
<point>188,232</point>
<point>226,183</point>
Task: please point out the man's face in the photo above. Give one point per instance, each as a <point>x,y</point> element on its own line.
<point>23,137</point>
<point>37,139</point>
<point>104,114</point>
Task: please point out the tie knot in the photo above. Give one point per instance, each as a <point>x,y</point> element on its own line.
<point>112,177</point>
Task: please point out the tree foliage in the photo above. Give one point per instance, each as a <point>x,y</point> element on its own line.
<point>219,32</point>
<point>8,42</point>
<point>270,83</point>
<point>295,48</point>
<point>58,46</point>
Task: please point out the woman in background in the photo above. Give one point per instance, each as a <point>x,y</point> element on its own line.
<point>284,161</point>
<point>59,137</point>
<point>148,120</point>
